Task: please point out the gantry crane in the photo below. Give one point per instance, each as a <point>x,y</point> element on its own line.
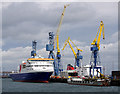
<point>57,41</point>
<point>33,52</point>
<point>78,57</point>
<point>50,47</point>
<point>52,44</point>
<point>95,49</point>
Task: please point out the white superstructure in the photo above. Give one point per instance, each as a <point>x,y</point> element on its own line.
<point>36,65</point>
<point>85,70</point>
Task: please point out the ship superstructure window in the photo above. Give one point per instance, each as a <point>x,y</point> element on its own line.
<point>24,66</point>
<point>36,65</point>
<point>29,66</point>
<point>42,65</point>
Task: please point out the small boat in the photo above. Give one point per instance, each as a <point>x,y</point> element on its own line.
<point>34,70</point>
<point>88,81</point>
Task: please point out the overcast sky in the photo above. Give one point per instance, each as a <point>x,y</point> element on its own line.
<point>24,22</point>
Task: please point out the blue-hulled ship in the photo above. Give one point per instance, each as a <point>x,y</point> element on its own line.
<point>35,69</point>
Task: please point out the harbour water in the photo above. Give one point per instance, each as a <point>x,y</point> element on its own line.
<point>9,86</point>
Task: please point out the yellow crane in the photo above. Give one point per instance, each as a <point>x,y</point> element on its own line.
<point>102,75</point>
<point>100,30</point>
<point>77,56</point>
<point>57,40</point>
<point>96,47</point>
<point>58,30</point>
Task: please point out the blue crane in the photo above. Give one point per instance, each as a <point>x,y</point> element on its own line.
<point>33,52</point>
<point>58,57</point>
<point>95,59</point>
<point>50,47</point>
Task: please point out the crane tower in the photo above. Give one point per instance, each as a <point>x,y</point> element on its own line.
<point>95,59</point>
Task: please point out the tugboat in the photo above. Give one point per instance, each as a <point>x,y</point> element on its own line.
<point>35,69</point>
<point>87,81</point>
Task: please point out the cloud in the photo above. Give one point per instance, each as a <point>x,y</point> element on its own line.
<point>29,21</point>
<point>0,57</point>
<point>108,54</point>
<point>1,43</point>
<point>6,4</point>
<point>14,56</point>
<point>114,37</point>
<point>105,11</point>
<point>24,22</point>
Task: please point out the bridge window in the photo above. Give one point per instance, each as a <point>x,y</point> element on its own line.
<point>29,66</point>
<point>24,66</point>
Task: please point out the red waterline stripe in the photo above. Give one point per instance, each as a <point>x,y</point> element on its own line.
<point>31,81</point>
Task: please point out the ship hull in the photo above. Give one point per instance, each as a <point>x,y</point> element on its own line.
<point>94,84</point>
<point>88,82</point>
<point>31,77</point>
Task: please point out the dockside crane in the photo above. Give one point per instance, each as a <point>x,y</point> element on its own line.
<point>57,41</point>
<point>50,48</point>
<point>52,44</point>
<point>78,56</point>
<point>33,52</point>
<point>101,75</point>
<point>95,49</point>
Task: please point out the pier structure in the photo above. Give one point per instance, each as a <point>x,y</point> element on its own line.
<point>5,74</point>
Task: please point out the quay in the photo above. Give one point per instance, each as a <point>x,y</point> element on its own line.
<point>115,80</point>
<point>5,74</point>
<point>58,79</point>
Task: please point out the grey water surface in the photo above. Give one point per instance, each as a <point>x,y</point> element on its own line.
<point>10,86</point>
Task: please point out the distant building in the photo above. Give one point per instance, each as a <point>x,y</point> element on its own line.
<point>115,78</point>
<point>116,74</point>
